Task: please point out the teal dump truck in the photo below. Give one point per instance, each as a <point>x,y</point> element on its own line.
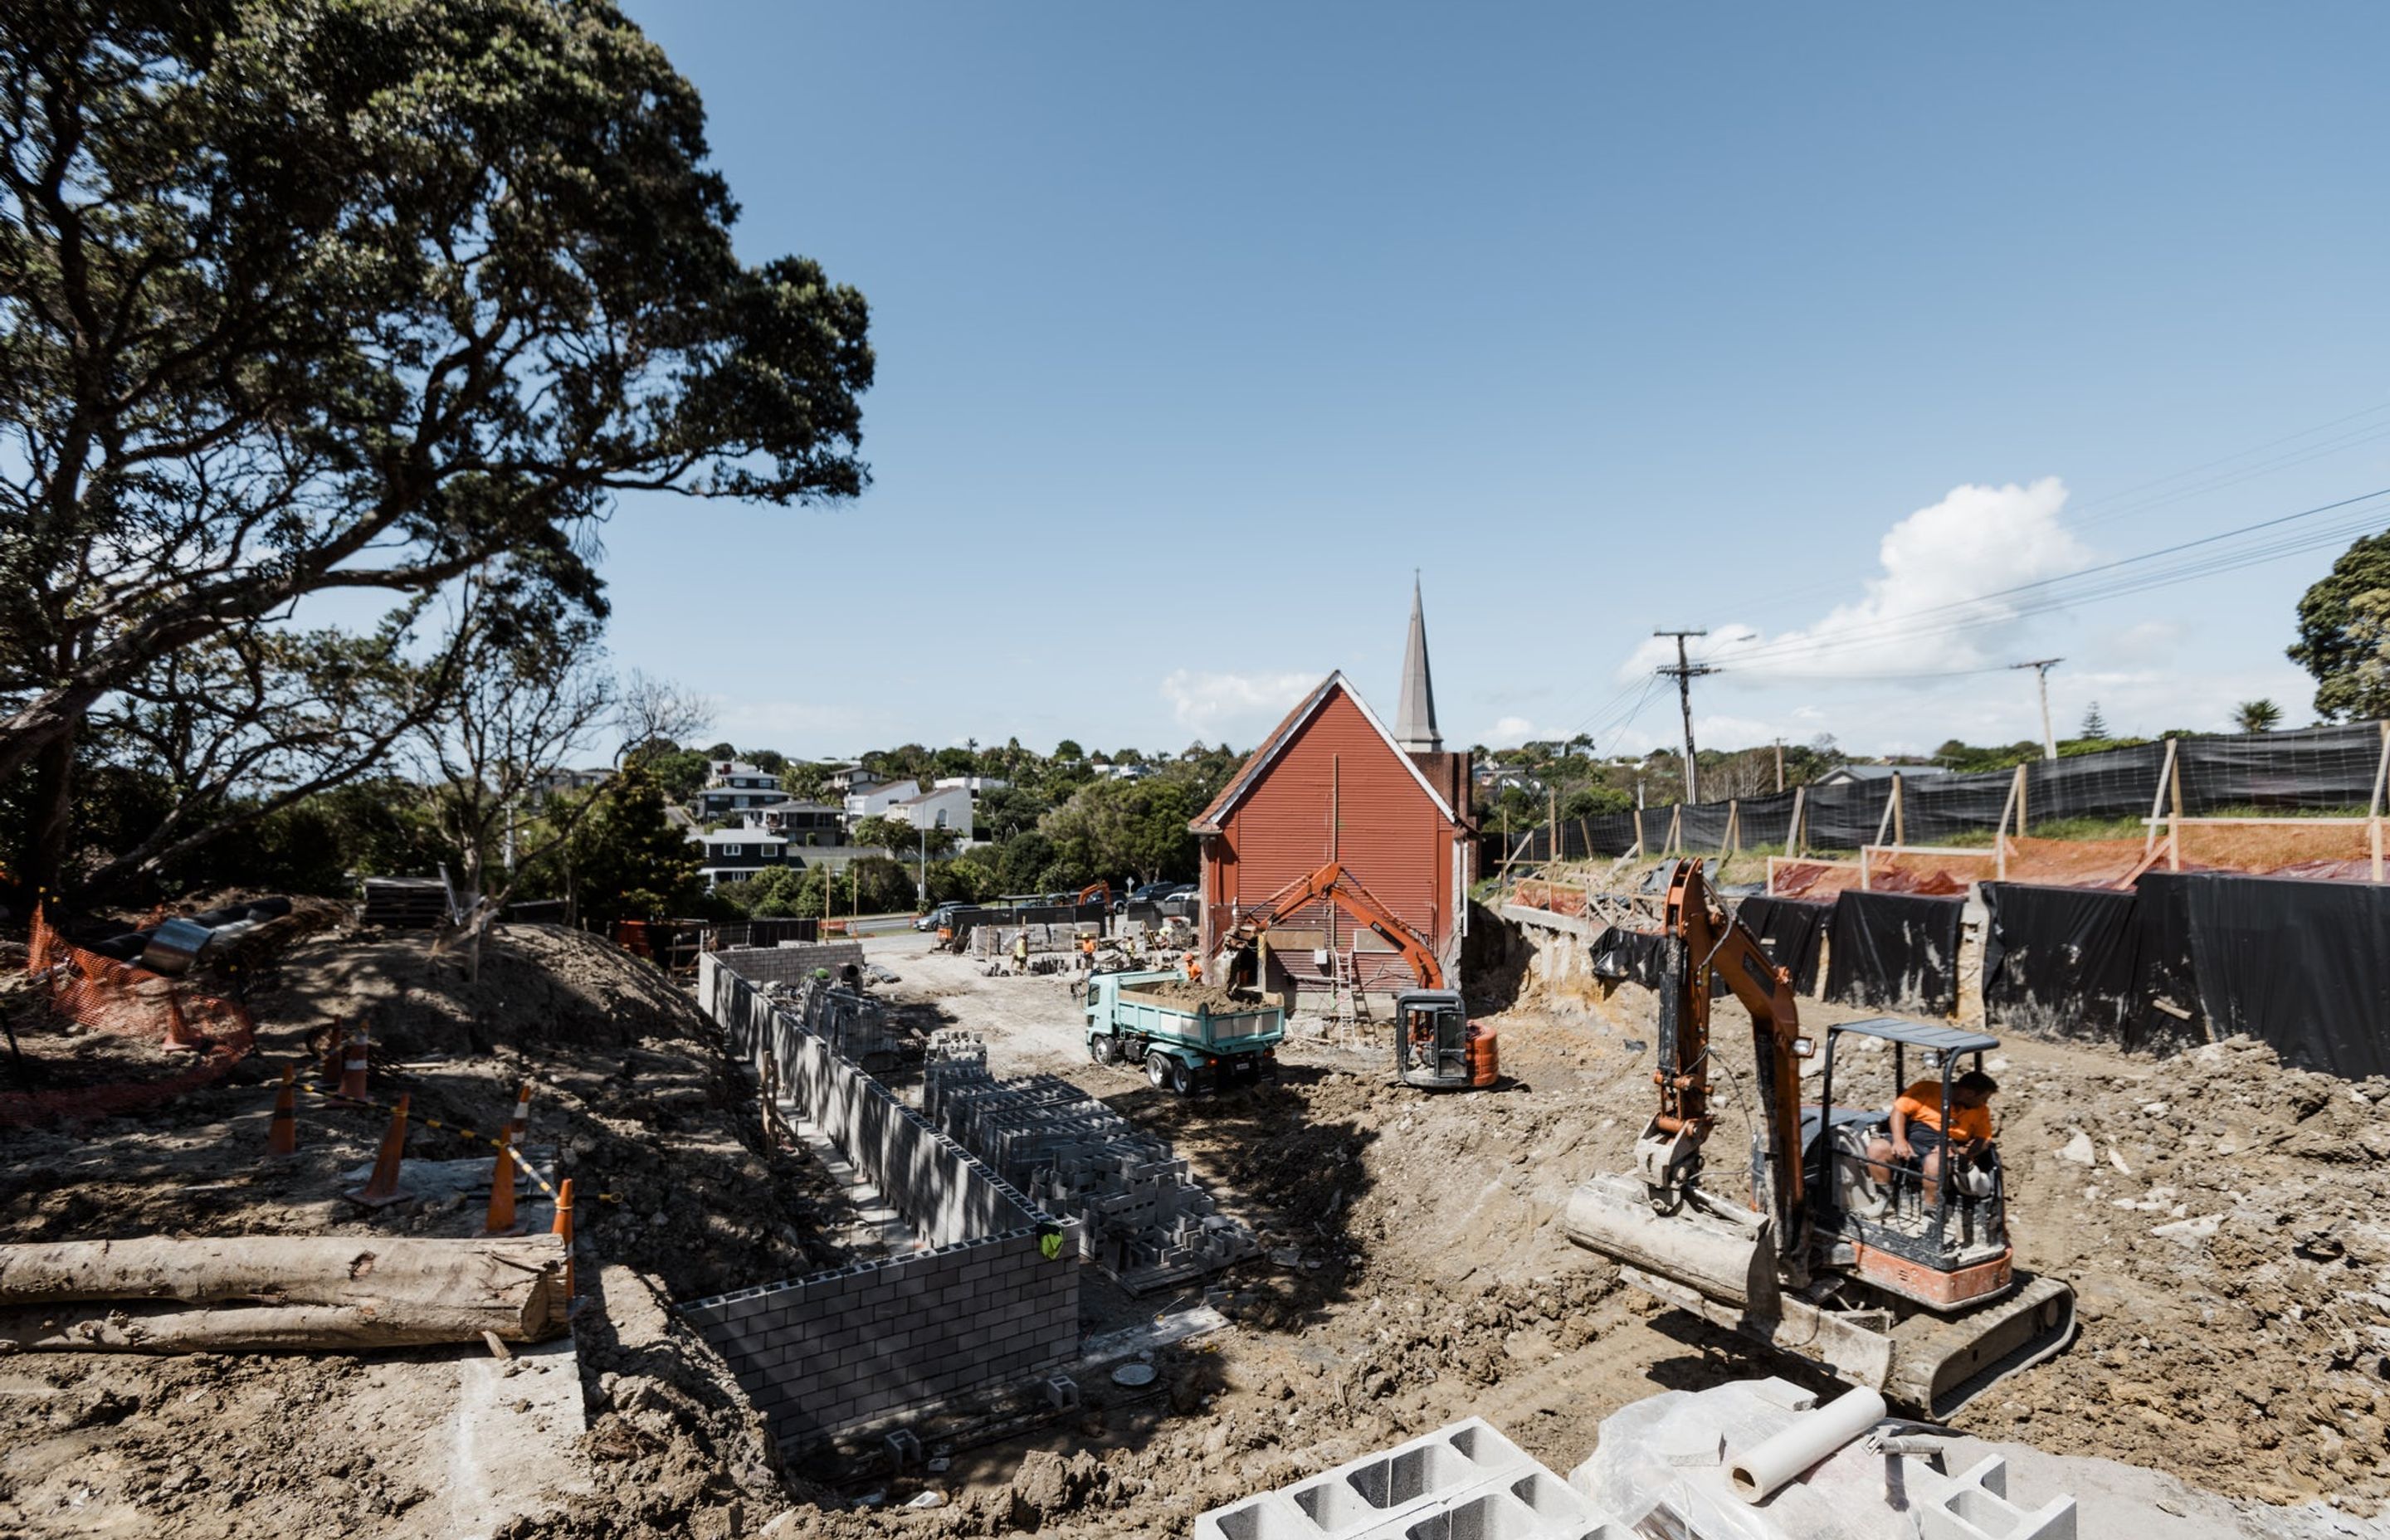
<point>1186,1036</point>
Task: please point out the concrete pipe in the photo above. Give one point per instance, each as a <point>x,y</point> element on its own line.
<point>1810,1437</point>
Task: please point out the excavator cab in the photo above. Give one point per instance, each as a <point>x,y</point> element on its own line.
<point>1436,1046</point>
<point>1939,1243</point>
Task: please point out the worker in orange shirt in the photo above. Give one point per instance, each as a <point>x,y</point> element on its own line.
<point>1919,1139</point>
<point>1194,969</point>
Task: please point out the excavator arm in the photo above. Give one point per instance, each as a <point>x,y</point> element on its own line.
<point>1339,887</point>
<point>1098,892</point>
<point>1703,942</point>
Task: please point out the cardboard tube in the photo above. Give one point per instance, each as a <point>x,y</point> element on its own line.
<point>1809,1438</point>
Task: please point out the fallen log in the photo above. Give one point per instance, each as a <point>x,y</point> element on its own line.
<point>278,1293</point>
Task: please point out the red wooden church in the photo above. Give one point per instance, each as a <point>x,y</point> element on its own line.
<point>1329,783</point>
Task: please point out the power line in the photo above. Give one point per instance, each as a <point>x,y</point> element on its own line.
<point>2051,593</point>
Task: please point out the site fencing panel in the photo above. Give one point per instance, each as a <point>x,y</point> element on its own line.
<point>2311,769</point>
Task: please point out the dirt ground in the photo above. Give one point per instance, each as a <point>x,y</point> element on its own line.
<point>631,1096</point>
<point>2223,1220</point>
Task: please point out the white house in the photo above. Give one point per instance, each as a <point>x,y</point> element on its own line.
<point>879,800</point>
<point>940,807</point>
<point>975,785</point>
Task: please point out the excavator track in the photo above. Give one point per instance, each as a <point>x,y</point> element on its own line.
<point>1940,1363</point>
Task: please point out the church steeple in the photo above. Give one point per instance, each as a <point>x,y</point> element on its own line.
<point>1415,719</point>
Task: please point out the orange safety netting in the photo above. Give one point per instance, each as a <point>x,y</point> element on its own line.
<point>1546,895</point>
<point>107,996</point>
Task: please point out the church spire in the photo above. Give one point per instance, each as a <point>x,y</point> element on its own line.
<point>1415,719</point>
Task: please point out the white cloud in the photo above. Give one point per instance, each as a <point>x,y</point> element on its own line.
<point>1931,567</point>
<point>1208,703</point>
<point>1511,731</point>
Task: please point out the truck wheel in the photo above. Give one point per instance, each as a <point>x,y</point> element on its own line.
<point>1100,1048</point>
<point>1162,1072</point>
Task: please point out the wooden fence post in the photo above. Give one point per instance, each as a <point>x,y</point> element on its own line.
<point>1792,832</point>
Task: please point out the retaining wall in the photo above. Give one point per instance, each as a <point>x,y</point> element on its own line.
<point>983,1306</point>
<point>787,962</point>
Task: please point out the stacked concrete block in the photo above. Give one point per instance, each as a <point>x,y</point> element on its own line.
<point>1141,1215</point>
<point>823,1353</point>
<point>995,1299</point>
<point>1465,1481</point>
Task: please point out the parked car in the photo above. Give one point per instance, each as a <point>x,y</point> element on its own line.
<point>940,914</point>
<point>1146,892</point>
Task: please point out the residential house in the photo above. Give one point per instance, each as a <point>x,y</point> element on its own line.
<point>876,799</point>
<point>940,807</point>
<point>1853,775</point>
<point>802,822</point>
<point>739,854</point>
<point>732,787</point>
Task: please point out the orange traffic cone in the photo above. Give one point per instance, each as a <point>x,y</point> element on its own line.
<point>502,1192</point>
<point>334,1041</point>
<point>179,1034</point>
<point>353,1065</point>
<point>382,1188</point>
<point>282,1134</point>
<point>46,949</point>
<point>522,1123</point>
<point>563,1226</point>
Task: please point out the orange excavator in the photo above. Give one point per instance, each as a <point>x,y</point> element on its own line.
<point>1437,1048</point>
<point>1898,1281</point>
<point>1098,892</point>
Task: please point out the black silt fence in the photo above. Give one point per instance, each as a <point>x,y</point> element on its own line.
<point>2060,962</point>
<point>1895,952</point>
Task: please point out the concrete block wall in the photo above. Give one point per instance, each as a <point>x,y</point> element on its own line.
<point>981,1306</point>
<point>788,962</point>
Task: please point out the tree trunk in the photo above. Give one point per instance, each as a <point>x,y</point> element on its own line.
<point>51,817</point>
<point>278,1293</point>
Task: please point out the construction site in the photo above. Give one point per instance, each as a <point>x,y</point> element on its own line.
<point>1330,1203</point>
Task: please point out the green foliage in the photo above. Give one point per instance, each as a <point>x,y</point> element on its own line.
<point>2344,633</point>
<point>894,834</point>
<point>624,859</point>
<point>1007,811</point>
<point>774,895</point>
<point>2094,725</point>
<point>2260,716</point>
<point>1111,828</point>
<point>680,772</point>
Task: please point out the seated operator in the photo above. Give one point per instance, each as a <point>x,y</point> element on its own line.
<point>1918,1138</point>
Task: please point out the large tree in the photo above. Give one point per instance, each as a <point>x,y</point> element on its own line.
<point>298,298</point>
<point>2344,633</point>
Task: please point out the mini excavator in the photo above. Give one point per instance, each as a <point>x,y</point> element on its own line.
<point>1896,1282</point>
<point>1437,1048</point>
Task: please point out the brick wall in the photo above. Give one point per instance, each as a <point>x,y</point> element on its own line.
<point>983,1306</point>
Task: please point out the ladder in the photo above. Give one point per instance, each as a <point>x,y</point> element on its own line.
<point>1348,1009</point>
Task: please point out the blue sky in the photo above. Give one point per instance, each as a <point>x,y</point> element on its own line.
<point>1199,327</point>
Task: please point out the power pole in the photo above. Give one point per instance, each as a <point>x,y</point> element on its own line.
<point>1685,673</point>
<point>1779,764</point>
<point>2041,667</point>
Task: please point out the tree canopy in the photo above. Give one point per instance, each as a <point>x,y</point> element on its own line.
<point>310,299</point>
<point>2344,633</point>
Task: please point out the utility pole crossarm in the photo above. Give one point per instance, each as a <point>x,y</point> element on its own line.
<point>1685,673</point>
<point>2041,667</point>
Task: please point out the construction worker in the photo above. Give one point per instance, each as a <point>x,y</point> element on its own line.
<point>1918,1140</point>
<point>1021,951</point>
<point>1194,969</point>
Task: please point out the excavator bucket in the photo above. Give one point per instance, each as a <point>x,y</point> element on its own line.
<point>1720,1264</point>
<point>1727,1258</point>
